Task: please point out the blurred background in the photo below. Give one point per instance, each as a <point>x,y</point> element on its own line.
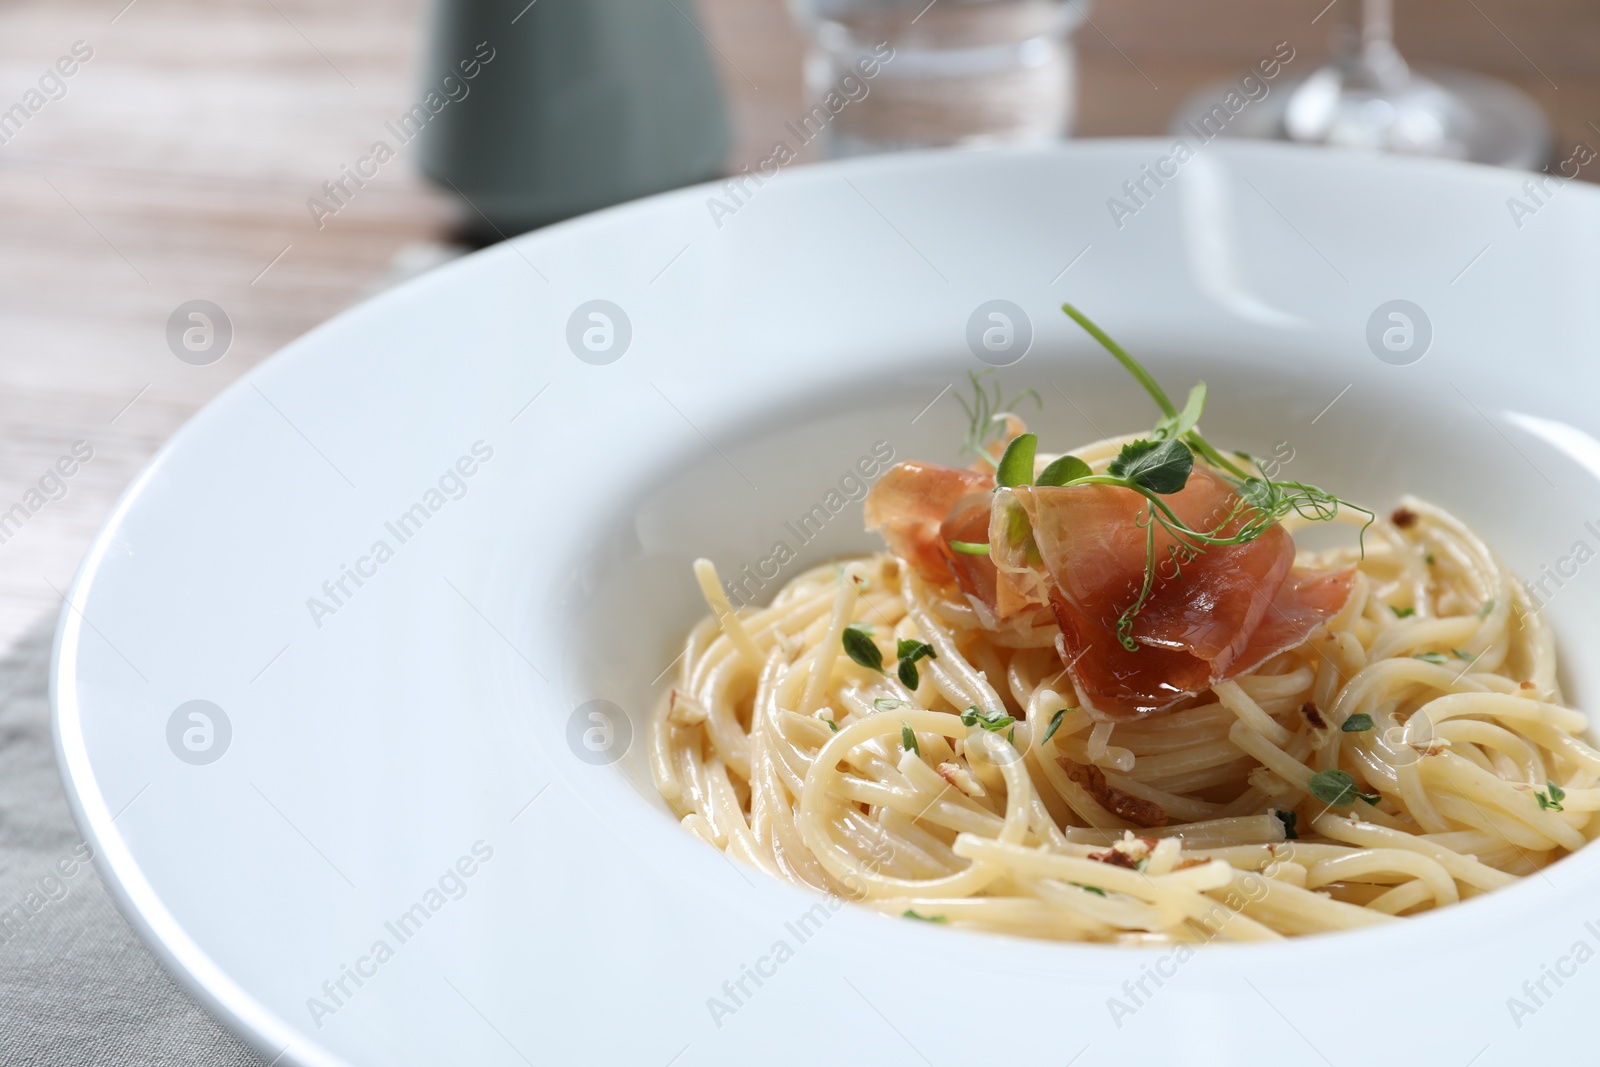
<point>226,152</point>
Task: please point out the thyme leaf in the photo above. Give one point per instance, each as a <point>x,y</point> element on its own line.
<point>859,646</point>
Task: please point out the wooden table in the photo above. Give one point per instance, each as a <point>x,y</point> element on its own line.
<point>178,164</point>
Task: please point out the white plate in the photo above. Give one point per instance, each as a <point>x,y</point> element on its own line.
<point>432,710</point>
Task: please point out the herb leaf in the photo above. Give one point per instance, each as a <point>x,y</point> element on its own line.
<point>908,740</point>
<point>1016,464</point>
<point>889,703</point>
<point>988,402</point>
<point>993,721</point>
<point>1488,606</point>
<point>1402,613</point>
<point>910,913</point>
<point>1360,722</point>
<point>1055,724</point>
<point>1431,657</point>
<point>1337,788</point>
<point>1096,890</point>
<point>1288,818</point>
<point>833,726</point>
<point>1064,470</point>
<point>859,646</point>
<point>907,670</point>
<point>908,653</point>
<point>970,548</point>
<point>1552,800</point>
<point>1159,466</point>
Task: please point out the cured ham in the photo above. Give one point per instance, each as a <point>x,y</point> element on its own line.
<point>910,503</point>
<point>1081,552</point>
<point>1210,616</point>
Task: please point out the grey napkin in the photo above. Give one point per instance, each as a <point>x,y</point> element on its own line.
<point>76,985</point>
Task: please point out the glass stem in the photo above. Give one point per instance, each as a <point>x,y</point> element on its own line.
<point>1377,24</point>
<point>1378,57</point>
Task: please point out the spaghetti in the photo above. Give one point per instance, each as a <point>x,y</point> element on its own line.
<point>779,749</point>
<point>1409,750</point>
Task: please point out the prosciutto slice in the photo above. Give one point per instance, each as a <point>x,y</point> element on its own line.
<point>910,503</point>
<point>1210,615</point>
<point>1080,552</point>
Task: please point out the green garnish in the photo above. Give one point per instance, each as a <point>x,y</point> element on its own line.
<point>1461,654</point>
<point>1431,657</point>
<point>1488,606</point>
<point>1360,722</point>
<point>993,721</point>
<point>1161,466</point>
<point>1337,788</point>
<point>1189,417</point>
<point>832,725</point>
<point>908,740</point>
<point>1096,890</point>
<point>911,914</point>
<point>1055,724</point>
<point>908,653</point>
<point>1552,800</point>
<point>1288,818</point>
<point>982,424</point>
<point>970,548</point>
<point>890,703</point>
<point>1063,470</point>
<point>1402,613</point>
<point>859,646</point>
<point>1016,463</point>
<point>1429,560</point>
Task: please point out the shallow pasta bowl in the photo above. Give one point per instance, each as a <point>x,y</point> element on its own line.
<point>350,691</point>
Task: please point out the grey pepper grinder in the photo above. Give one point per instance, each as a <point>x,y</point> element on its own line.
<point>535,112</point>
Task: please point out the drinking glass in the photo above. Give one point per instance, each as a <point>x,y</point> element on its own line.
<point>1368,97</point>
<point>914,74</point>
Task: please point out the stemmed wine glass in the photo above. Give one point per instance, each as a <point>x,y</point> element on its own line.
<point>1368,97</point>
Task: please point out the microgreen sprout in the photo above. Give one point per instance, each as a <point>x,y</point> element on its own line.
<point>1156,467</point>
